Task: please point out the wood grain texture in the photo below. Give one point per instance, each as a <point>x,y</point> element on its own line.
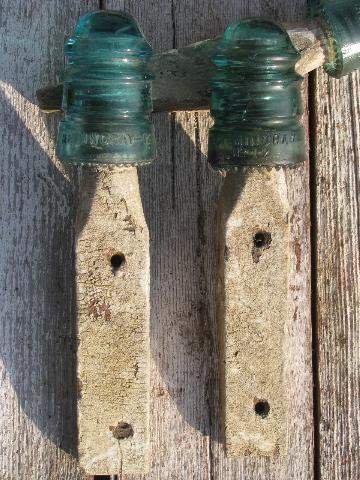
<point>38,196</point>
<point>112,284</point>
<point>337,255</point>
<point>180,198</point>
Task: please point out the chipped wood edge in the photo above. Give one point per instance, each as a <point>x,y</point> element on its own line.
<point>113,324</point>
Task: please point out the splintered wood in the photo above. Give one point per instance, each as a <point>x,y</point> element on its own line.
<point>113,317</point>
<point>253,308</point>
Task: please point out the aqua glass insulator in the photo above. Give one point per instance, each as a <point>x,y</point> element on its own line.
<point>107,93</point>
<point>340,22</point>
<point>256,100</point>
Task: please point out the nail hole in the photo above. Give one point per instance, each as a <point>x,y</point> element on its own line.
<point>117,261</point>
<point>122,430</point>
<point>262,408</point>
<point>262,239</point>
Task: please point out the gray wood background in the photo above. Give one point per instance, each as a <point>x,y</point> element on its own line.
<point>37,212</point>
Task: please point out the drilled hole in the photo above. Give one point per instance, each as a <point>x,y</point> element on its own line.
<point>262,408</point>
<point>262,239</point>
<point>122,430</point>
<point>117,261</point>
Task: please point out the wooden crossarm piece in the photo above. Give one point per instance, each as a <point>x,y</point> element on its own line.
<point>182,76</point>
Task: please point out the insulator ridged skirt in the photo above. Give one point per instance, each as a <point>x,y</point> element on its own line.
<point>256,98</point>
<point>107,93</point>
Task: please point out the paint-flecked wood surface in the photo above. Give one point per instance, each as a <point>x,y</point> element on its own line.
<point>112,284</point>
<point>179,192</point>
<point>337,255</point>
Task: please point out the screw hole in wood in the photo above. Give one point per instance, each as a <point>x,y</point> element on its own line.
<point>117,261</point>
<point>262,408</point>
<point>261,242</point>
<point>262,239</point>
<point>122,430</point>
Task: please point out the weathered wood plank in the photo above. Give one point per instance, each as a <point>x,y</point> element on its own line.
<point>298,463</point>
<point>337,255</point>
<point>37,341</point>
<point>177,337</point>
<point>180,195</point>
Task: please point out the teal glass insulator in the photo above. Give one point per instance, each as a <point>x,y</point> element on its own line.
<point>340,22</point>
<point>107,93</point>
<point>256,100</point>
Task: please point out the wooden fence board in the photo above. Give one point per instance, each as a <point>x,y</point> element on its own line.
<point>38,198</point>
<point>337,273</point>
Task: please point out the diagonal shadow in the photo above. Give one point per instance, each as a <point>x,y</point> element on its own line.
<point>38,296</point>
<point>180,194</point>
<point>183,277</point>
